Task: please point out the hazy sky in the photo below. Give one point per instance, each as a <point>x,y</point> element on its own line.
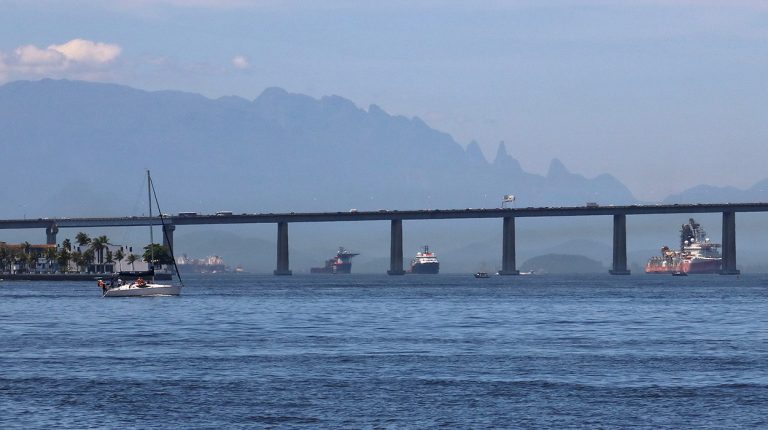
<point>663,94</point>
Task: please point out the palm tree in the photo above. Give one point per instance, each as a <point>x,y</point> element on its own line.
<point>67,244</point>
<point>26,258</point>
<point>88,258</point>
<point>63,259</point>
<point>132,259</point>
<point>110,260</point>
<point>50,257</point>
<point>77,258</point>
<point>98,245</point>
<point>3,258</point>
<point>31,262</point>
<point>82,239</point>
<point>119,257</point>
<point>6,259</point>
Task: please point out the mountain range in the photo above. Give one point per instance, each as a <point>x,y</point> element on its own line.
<point>80,149</point>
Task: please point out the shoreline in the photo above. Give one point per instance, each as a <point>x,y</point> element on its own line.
<point>68,276</point>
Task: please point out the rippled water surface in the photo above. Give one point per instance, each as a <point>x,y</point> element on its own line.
<point>246,351</point>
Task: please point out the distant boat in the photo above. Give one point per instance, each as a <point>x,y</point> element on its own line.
<point>340,264</point>
<point>679,274</point>
<point>139,287</point>
<point>210,264</point>
<point>425,262</point>
<point>482,275</point>
<point>696,255</point>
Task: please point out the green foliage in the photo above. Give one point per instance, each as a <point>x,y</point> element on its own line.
<point>82,239</point>
<point>161,254</point>
<point>63,259</point>
<point>88,256</point>
<point>132,259</point>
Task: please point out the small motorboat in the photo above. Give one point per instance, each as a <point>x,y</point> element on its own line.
<point>678,273</point>
<point>482,275</point>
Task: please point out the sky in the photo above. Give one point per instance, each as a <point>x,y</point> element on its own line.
<point>662,94</point>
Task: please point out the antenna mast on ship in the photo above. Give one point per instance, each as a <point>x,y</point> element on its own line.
<point>151,232</point>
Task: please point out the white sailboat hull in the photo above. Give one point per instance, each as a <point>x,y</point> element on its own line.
<point>133,290</point>
<point>139,287</point>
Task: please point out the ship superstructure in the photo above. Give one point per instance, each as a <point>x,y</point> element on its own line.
<point>340,264</point>
<point>697,253</point>
<point>425,262</point>
<point>210,264</point>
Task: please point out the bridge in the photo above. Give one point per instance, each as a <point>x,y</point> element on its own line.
<point>507,215</point>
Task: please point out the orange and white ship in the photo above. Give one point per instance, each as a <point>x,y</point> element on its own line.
<point>697,254</point>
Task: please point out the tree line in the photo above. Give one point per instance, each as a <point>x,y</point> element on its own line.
<point>87,253</point>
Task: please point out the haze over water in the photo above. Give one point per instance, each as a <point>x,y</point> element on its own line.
<point>247,351</point>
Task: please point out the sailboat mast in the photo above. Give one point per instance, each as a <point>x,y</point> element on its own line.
<point>151,234</point>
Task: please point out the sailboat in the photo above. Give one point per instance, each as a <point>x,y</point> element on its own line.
<point>139,287</point>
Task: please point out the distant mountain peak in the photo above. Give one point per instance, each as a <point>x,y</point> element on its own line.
<point>504,160</point>
<point>475,154</point>
<point>339,103</point>
<point>376,110</point>
<point>501,152</point>
<point>271,92</point>
<point>279,148</point>
<point>557,169</point>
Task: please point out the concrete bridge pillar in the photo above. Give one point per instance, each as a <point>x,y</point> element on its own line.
<point>619,245</point>
<point>508,266</point>
<point>729,244</point>
<point>50,234</point>
<point>282,249</point>
<point>396,248</point>
<point>168,235</point>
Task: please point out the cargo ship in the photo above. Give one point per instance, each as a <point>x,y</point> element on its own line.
<point>425,262</point>
<point>210,264</point>
<point>341,263</point>
<point>696,255</point>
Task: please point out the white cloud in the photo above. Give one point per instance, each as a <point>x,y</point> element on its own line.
<point>32,56</point>
<point>85,51</point>
<point>77,58</point>
<point>241,62</point>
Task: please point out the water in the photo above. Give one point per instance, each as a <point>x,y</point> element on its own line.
<point>246,351</point>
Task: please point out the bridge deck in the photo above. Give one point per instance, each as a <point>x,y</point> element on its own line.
<point>385,215</point>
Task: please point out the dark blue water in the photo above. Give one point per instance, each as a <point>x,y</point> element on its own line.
<point>389,352</point>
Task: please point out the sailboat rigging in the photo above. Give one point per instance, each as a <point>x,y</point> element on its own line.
<point>139,286</point>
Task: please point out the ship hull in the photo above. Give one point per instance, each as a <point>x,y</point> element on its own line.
<point>426,268</point>
<point>339,265</point>
<point>202,268</point>
<point>338,269</point>
<point>693,267</point>
<point>147,290</point>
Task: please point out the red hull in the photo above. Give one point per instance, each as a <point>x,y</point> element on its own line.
<point>696,266</point>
